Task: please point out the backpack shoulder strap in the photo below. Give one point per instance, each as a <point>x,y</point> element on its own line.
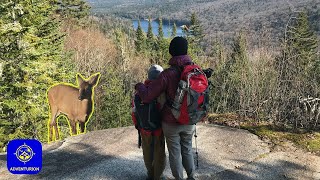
<point>179,70</point>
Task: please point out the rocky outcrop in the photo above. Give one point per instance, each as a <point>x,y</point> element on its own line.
<point>224,153</point>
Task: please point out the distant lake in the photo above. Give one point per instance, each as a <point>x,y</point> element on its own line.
<point>167,29</point>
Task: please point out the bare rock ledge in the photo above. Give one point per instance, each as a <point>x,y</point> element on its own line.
<point>224,153</point>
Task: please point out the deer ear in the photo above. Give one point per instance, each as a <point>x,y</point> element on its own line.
<point>79,79</point>
<point>94,79</point>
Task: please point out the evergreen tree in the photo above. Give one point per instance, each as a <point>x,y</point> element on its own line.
<point>297,67</point>
<point>150,35</point>
<point>219,81</point>
<point>161,44</point>
<point>174,30</point>
<point>31,59</point>
<point>195,29</point>
<point>160,29</point>
<point>303,43</point>
<point>194,36</point>
<point>239,57</point>
<point>115,100</point>
<point>140,41</point>
<point>239,69</point>
<point>299,54</point>
<point>234,74</point>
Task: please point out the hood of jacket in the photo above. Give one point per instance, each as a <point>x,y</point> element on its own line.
<point>180,60</point>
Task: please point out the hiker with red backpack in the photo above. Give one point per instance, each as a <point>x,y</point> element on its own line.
<point>186,89</point>
<point>146,118</point>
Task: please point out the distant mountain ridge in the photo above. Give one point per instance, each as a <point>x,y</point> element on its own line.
<point>217,16</point>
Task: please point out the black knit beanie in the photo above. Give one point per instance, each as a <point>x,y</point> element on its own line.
<point>178,46</point>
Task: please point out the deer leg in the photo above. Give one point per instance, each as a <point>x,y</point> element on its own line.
<point>56,131</point>
<point>52,123</point>
<point>50,132</point>
<point>82,127</point>
<point>73,127</point>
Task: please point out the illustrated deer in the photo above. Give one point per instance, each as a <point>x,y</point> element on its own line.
<point>74,102</point>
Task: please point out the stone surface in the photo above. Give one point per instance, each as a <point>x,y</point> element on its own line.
<point>224,153</point>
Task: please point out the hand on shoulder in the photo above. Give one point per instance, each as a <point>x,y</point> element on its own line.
<point>137,85</point>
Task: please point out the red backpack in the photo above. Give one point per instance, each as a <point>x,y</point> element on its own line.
<point>191,101</point>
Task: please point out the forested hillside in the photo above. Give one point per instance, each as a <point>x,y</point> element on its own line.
<point>50,43</point>
<point>32,58</point>
<point>218,17</point>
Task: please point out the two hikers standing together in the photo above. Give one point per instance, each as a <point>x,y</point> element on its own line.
<point>162,86</point>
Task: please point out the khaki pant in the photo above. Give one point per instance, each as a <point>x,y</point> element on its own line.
<point>154,155</point>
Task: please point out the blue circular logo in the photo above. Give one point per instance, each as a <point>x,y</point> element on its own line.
<point>24,153</point>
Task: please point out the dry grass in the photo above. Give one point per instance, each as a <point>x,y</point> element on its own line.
<point>92,51</point>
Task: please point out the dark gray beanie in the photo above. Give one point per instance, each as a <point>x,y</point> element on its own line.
<point>154,72</point>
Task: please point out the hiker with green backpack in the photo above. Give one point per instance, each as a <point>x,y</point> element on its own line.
<point>146,117</point>
<point>186,89</point>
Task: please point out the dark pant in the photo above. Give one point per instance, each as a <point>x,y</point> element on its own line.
<point>154,155</point>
